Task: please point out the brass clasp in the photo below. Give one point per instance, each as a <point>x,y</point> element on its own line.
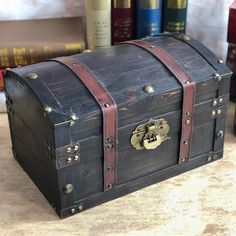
<point>150,135</point>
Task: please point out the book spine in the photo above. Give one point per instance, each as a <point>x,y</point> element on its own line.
<point>21,55</point>
<point>98,23</point>
<point>1,79</point>
<point>174,16</point>
<point>122,20</point>
<point>232,24</point>
<point>148,22</point>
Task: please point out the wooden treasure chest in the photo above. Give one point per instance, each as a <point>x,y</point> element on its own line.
<point>95,126</point>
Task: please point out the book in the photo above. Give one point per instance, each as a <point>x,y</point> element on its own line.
<point>30,41</point>
<point>98,24</point>
<point>148,18</point>
<point>122,20</point>
<point>1,79</point>
<point>231,56</point>
<point>174,16</point>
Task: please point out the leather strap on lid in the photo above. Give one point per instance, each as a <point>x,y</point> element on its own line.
<point>189,88</point>
<point>109,112</point>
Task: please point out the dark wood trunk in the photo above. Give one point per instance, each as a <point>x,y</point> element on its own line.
<point>40,139</point>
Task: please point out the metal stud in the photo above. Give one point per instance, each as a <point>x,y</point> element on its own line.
<point>188,114</point>
<point>81,207</point>
<point>187,82</point>
<point>76,158</point>
<point>185,38</point>
<point>220,61</point>
<point>74,117</point>
<point>48,109</point>
<point>32,76</point>
<point>186,142</point>
<point>72,123</point>
<point>109,145</point>
<point>152,46</point>
<point>106,105</point>
<point>220,100</point>
<point>183,159</point>
<point>68,188</point>
<point>187,122</point>
<point>215,102</point>
<point>220,134</point>
<point>109,186</point>
<point>72,211</point>
<point>209,158</point>
<point>69,149</point>
<point>213,113</point>
<point>219,112</point>
<point>217,77</point>
<point>76,147</point>
<point>110,168</point>
<point>148,89</point>
<point>69,160</point>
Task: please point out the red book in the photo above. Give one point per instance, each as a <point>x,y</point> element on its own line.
<point>232,24</point>
<point>122,20</point>
<point>1,79</point>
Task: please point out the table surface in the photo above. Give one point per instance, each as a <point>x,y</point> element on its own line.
<point>199,202</point>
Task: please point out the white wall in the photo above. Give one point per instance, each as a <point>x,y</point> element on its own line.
<point>207,20</point>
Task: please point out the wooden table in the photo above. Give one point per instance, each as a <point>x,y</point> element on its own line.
<point>200,202</point>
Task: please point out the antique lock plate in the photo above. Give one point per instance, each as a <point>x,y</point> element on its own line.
<point>150,135</point>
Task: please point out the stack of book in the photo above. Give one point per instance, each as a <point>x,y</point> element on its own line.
<point>113,21</point>
<point>231,58</point>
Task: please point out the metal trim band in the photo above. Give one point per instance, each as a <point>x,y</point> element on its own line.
<point>110,117</point>
<point>189,90</point>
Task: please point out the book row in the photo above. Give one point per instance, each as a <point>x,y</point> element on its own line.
<point>111,22</point>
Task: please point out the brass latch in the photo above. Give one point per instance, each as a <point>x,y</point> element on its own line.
<point>150,135</point>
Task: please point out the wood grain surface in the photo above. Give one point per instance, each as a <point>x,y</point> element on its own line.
<point>200,202</point>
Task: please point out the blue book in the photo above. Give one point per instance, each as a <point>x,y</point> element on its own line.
<point>148,22</point>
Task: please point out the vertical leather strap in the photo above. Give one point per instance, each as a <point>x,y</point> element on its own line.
<point>189,88</point>
<point>109,112</point>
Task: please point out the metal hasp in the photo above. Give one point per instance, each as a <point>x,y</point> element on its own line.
<point>150,135</point>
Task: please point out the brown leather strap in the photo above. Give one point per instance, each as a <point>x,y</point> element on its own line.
<point>189,88</point>
<point>109,111</point>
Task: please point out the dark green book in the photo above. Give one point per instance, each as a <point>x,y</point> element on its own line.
<point>174,16</point>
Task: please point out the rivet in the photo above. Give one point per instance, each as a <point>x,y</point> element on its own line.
<point>220,100</point>
<point>152,46</point>
<point>76,147</point>
<point>187,122</point>
<point>186,142</point>
<point>32,76</point>
<point>215,102</point>
<point>76,158</point>
<point>187,82</point>
<point>48,109</point>
<point>185,38</point>
<point>81,207</point>
<point>220,61</point>
<point>188,114</point>
<point>148,89</point>
<point>109,186</point>
<point>69,160</point>
<point>69,149</point>
<point>220,134</point>
<point>213,113</point>
<point>72,211</point>
<point>109,168</point>
<point>219,112</point>
<point>106,105</point>
<point>110,145</point>
<point>209,158</point>
<point>72,123</point>
<point>68,188</point>
<point>217,77</point>
<point>183,159</point>
<point>74,117</point>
